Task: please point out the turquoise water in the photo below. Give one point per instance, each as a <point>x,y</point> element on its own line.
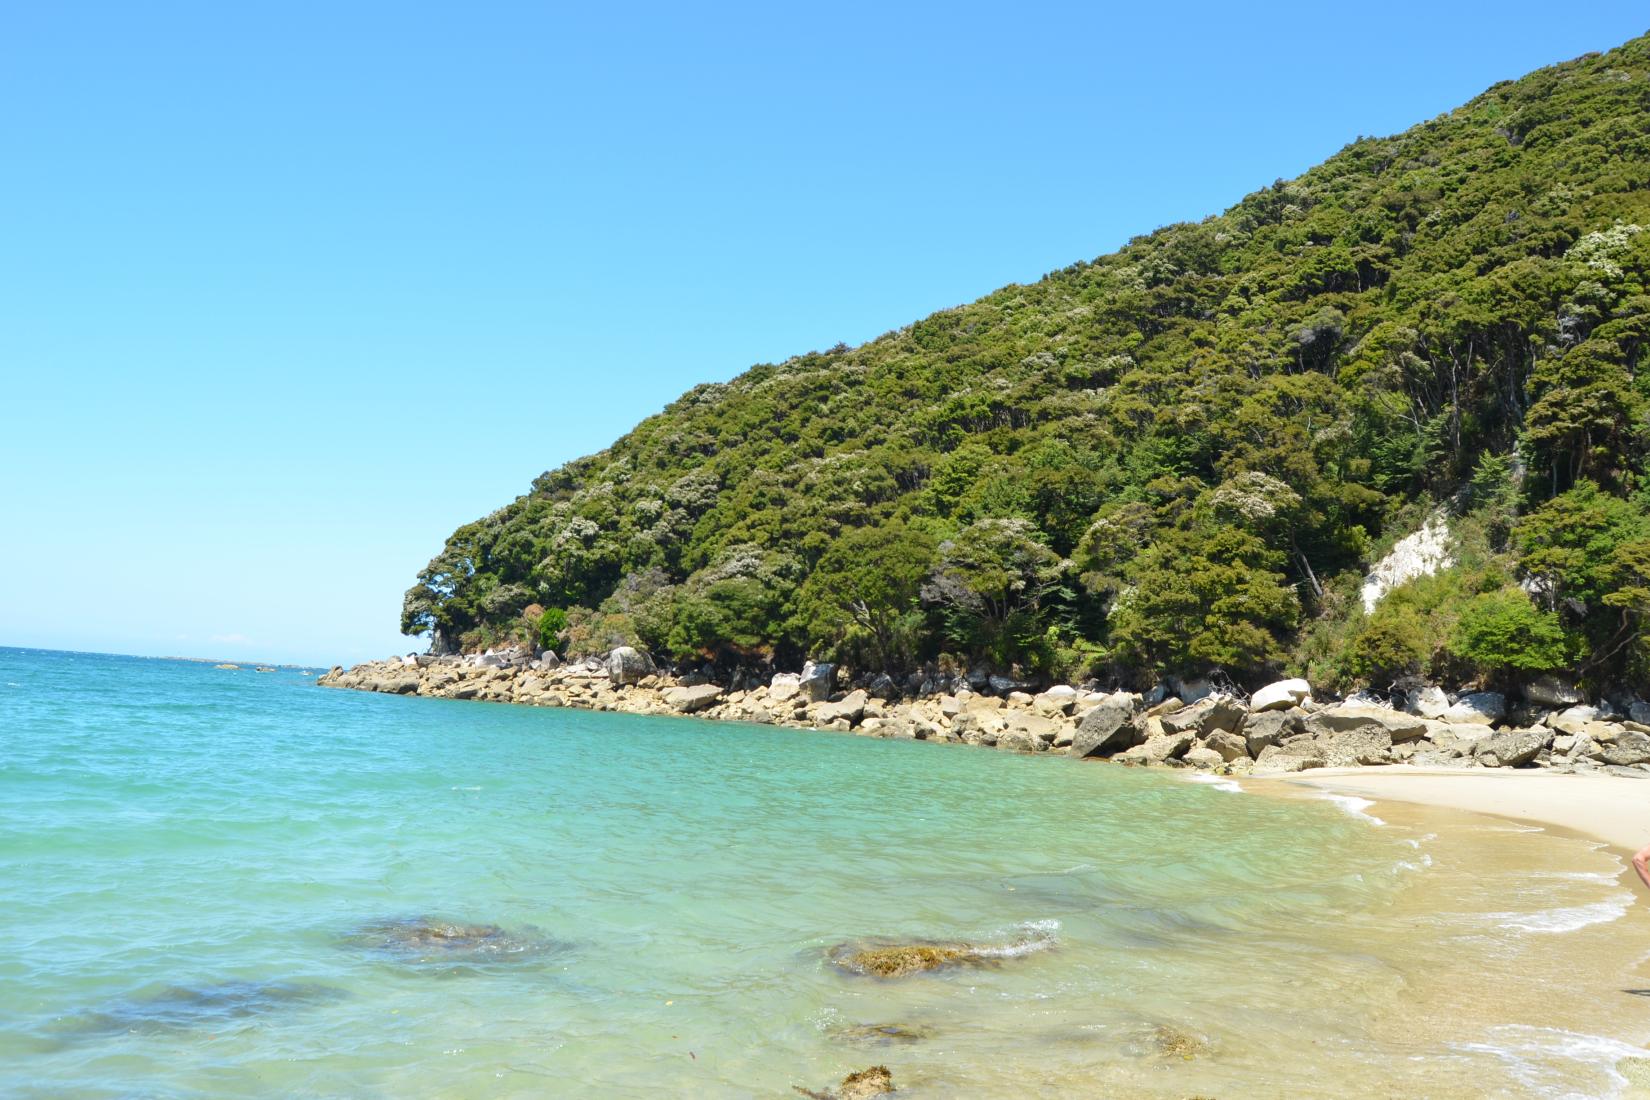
<point>205,872</point>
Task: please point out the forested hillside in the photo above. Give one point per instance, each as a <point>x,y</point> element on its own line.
<point>1180,456</point>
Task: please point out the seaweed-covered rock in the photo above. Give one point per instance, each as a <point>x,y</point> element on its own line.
<point>865,1084</point>
<point>900,960</point>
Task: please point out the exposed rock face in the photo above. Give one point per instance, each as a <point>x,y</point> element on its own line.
<point>1419,555</point>
<point>1280,696</point>
<point>1105,728</point>
<point>628,666</point>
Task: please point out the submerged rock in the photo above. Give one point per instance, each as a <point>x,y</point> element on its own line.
<point>883,1034</point>
<point>865,1084</point>
<point>1171,1042</point>
<point>899,960</point>
<point>429,937</point>
<point>179,1007</point>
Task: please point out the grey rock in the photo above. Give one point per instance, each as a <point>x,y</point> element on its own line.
<point>1552,691</point>
<point>783,686</point>
<point>1202,756</point>
<point>1511,748</point>
<point>1296,756</point>
<point>816,681</point>
<point>850,708</point>
<point>1158,750</point>
<point>1213,712</point>
<point>1639,711</point>
<point>1427,702</point>
<point>1106,728</point>
<point>1347,719</point>
<point>1630,748</point>
<point>1262,731</point>
<point>1365,745</point>
<point>1280,695</point>
<point>1230,746</point>
<point>690,700</point>
<point>1481,707</point>
<point>627,665</point>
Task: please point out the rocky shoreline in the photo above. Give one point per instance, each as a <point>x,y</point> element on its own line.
<point>1279,729</point>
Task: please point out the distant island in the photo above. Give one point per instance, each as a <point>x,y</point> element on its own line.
<point>1380,426</point>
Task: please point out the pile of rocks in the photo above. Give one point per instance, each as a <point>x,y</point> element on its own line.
<point>1281,728</point>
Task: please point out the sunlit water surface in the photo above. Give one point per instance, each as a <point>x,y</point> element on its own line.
<point>204,873</point>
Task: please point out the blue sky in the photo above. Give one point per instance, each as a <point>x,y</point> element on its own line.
<point>289,291</point>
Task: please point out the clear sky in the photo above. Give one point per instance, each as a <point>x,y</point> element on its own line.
<point>289,290</point>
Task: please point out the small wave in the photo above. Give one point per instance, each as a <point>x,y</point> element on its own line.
<point>1219,783</point>
<point>1354,805</point>
<point>1548,921</point>
<point>1529,1051</point>
<point>1032,936</point>
<point>466,788</point>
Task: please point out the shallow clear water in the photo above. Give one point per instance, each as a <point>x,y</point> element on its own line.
<point>205,874</point>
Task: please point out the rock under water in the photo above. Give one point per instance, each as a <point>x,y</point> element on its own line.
<point>180,1007</point>
<point>885,959</point>
<point>431,938</point>
<point>865,1084</point>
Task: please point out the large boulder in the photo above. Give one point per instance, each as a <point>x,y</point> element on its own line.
<point>1427,702</point>
<point>1230,746</point>
<point>1364,746</point>
<point>1348,719</point>
<point>627,665</point>
<point>850,707</point>
<point>784,686</point>
<point>1158,750</point>
<point>1552,691</point>
<point>1106,728</point>
<point>1484,708</point>
<point>690,700</point>
<point>1268,728</point>
<point>1296,755</point>
<point>816,681</point>
<point>1213,712</point>
<point>1629,748</point>
<point>1280,696</point>
<point>1511,748</point>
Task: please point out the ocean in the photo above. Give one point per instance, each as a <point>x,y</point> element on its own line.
<point>225,883</point>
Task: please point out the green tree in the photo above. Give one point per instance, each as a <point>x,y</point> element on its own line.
<point>861,599</point>
<point>1204,597</point>
<point>1504,630</point>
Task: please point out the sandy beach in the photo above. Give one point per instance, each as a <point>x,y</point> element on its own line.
<point>1609,808</point>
